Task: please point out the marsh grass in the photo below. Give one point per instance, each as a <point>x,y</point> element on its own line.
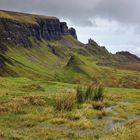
<point>80,95</point>
<point>82,124</point>
<point>18,104</point>
<point>33,87</point>
<point>32,114</point>
<point>2,136</point>
<point>58,121</point>
<point>127,132</point>
<point>90,93</point>
<point>98,94</point>
<point>65,102</point>
<point>98,105</point>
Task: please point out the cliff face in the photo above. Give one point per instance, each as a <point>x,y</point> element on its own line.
<point>18,33</point>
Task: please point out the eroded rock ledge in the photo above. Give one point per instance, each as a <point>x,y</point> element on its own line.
<point>19,33</point>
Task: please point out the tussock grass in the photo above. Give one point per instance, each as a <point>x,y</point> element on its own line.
<point>17,104</point>
<point>74,116</point>
<point>80,95</point>
<point>33,87</point>
<point>82,124</point>
<point>65,102</point>
<point>90,93</point>
<point>58,121</point>
<point>98,105</point>
<point>2,135</point>
<point>98,94</point>
<point>71,116</point>
<point>3,110</point>
<point>128,132</point>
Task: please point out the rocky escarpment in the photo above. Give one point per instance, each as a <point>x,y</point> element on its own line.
<point>18,32</point>
<point>128,55</point>
<point>96,49</point>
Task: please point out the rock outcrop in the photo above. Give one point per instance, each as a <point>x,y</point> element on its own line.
<point>128,55</point>
<point>72,31</point>
<point>92,42</point>
<point>95,49</point>
<point>19,33</point>
<point>74,61</point>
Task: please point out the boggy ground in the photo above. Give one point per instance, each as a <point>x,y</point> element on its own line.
<point>28,112</point>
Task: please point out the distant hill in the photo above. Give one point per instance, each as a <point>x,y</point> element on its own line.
<point>42,47</point>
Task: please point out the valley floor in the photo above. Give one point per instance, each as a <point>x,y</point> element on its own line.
<point>28,112</point>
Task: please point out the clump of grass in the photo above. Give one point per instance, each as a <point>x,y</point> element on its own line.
<point>102,113</point>
<point>58,121</point>
<point>127,132</point>
<point>17,104</point>
<point>33,87</point>
<point>74,116</point>
<point>98,94</point>
<point>81,124</point>
<point>80,95</point>
<point>3,110</point>
<point>90,93</point>
<point>34,100</point>
<point>98,105</point>
<point>2,136</point>
<point>65,102</point>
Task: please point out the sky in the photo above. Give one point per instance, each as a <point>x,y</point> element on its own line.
<point>114,24</point>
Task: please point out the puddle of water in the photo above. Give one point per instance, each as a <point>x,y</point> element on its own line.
<point>111,122</point>
<point>65,128</point>
<point>124,103</point>
<point>109,108</point>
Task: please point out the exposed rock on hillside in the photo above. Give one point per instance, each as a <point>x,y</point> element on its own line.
<point>74,60</point>
<point>128,55</point>
<point>38,47</point>
<point>72,31</point>
<point>92,42</point>
<point>96,49</point>
<point>16,32</point>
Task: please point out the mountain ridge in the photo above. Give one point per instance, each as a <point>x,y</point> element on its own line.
<point>48,49</point>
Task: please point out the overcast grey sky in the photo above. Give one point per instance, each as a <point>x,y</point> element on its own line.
<point>113,23</point>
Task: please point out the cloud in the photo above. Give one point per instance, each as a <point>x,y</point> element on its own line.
<point>125,11</point>
<point>112,22</point>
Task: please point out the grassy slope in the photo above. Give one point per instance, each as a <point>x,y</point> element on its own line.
<point>40,62</point>
<point>23,17</point>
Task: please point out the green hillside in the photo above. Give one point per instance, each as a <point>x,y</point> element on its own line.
<point>25,18</point>
<point>48,60</point>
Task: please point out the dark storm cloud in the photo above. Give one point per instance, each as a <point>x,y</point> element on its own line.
<point>80,12</point>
